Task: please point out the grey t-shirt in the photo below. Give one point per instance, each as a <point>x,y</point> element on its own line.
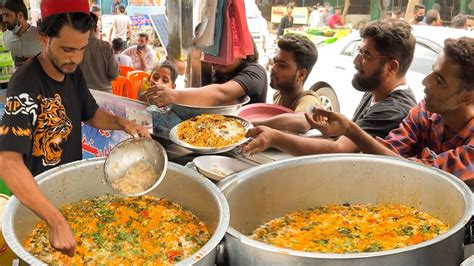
<point>380,118</point>
<point>26,45</point>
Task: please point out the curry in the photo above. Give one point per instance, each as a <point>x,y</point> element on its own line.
<point>111,230</point>
<point>350,228</point>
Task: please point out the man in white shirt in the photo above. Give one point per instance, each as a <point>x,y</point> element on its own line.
<point>314,18</point>
<point>121,26</point>
<point>143,56</point>
<point>21,38</point>
<point>122,60</point>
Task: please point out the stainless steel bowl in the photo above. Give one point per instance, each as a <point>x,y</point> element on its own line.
<point>260,194</point>
<point>85,179</point>
<point>131,151</point>
<point>188,111</point>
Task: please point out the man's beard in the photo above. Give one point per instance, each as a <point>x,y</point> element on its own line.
<point>287,85</point>
<point>10,27</point>
<point>365,84</point>
<point>56,63</point>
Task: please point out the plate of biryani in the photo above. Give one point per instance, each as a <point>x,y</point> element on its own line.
<point>211,133</point>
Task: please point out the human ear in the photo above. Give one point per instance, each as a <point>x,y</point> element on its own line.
<point>393,66</point>
<point>467,96</point>
<point>302,73</point>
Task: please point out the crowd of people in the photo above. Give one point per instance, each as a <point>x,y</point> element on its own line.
<point>48,97</point>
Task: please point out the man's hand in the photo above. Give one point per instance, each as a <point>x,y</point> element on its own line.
<point>263,137</point>
<point>161,96</point>
<point>61,238</point>
<point>135,130</point>
<point>140,54</point>
<point>331,124</point>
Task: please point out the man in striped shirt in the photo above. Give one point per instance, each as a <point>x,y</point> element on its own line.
<point>439,131</point>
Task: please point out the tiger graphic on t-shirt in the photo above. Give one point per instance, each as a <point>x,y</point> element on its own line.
<point>52,128</point>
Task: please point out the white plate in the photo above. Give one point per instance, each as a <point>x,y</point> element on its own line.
<point>206,150</point>
<point>217,167</point>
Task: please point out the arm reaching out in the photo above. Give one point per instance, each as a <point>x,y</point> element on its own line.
<point>104,120</point>
<point>19,179</point>
<point>333,124</point>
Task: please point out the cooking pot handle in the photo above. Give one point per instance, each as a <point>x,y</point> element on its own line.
<point>469,235</point>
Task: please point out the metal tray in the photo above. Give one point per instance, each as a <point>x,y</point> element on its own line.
<point>207,150</point>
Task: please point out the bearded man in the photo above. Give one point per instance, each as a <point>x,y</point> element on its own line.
<point>385,54</point>
<point>47,99</point>
<point>21,38</point>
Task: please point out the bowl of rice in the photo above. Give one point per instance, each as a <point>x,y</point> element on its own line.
<point>135,167</point>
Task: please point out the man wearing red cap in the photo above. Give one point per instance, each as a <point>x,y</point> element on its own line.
<point>46,101</point>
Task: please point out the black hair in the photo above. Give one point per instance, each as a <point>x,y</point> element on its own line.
<point>52,25</point>
<point>419,6</point>
<point>432,16</point>
<point>118,44</point>
<point>121,8</point>
<point>172,68</point>
<point>144,35</point>
<point>95,8</point>
<point>95,20</point>
<point>303,49</point>
<point>16,6</point>
<point>459,21</point>
<point>461,52</point>
<point>392,38</point>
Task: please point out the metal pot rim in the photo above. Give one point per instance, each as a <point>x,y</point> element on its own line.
<point>230,183</point>
<point>222,225</point>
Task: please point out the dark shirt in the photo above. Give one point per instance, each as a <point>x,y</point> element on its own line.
<point>379,119</point>
<point>43,117</point>
<point>253,79</point>
<point>285,22</point>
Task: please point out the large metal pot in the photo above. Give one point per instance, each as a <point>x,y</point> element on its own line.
<point>258,195</point>
<point>85,179</point>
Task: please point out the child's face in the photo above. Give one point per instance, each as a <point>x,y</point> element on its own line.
<point>162,77</point>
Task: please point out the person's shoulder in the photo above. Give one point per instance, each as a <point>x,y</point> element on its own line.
<point>8,35</point>
<point>403,96</point>
<point>32,30</point>
<point>130,49</point>
<point>27,74</point>
<point>103,43</point>
<point>254,67</point>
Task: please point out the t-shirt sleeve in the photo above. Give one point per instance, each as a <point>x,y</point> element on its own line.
<point>307,99</point>
<point>88,104</point>
<point>19,120</point>
<point>252,79</point>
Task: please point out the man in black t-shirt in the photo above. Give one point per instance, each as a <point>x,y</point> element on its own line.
<point>286,21</point>
<point>385,54</point>
<point>229,83</point>
<point>46,101</point>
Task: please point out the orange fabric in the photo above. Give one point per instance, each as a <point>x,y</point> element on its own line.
<point>121,86</point>
<point>124,70</point>
<point>136,78</point>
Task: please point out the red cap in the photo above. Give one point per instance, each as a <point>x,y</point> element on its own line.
<point>52,7</point>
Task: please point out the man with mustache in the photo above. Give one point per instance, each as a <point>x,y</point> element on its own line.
<point>293,61</point>
<point>439,131</point>
<point>47,99</point>
<point>385,54</point>
<point>143,56</point>
<point>21,38</point>
<point>418,15</point>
